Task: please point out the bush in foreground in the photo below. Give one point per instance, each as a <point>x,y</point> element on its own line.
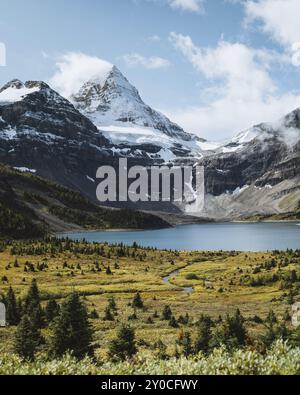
<point>281,359</point>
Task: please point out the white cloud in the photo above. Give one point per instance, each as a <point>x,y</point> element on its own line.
<point>196,6</point>
<point>224,118</point>
<point>296,54</point>
<point>237,64</point>
<point>188,5</point>
<point>74,69</point>
<point>244,92</point>
<point>280,18</point>
<point>151,63</point>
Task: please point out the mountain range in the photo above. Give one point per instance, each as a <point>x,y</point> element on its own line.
<point>65,140</point>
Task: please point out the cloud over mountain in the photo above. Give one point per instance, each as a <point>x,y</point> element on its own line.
<point>74,69</point>
<point>242,91</point>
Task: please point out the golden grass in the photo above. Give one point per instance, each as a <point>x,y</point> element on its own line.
<point>215,279</point>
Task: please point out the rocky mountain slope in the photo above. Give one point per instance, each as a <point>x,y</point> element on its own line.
<point>116,108</point>
<point>66,140</point>
<point>257,172</point>
<point>42,131</point>
<point>32,206</point>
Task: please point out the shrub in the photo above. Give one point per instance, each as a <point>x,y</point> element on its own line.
<point>281,359</point>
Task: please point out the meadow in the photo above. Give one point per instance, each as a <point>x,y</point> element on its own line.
<point>220,282</point>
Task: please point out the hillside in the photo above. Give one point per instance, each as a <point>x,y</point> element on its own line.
<point>31,206</point>
<point>290,216</point>
<point>257,174</point>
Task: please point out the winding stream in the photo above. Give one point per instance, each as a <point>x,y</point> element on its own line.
<point>167,279</point>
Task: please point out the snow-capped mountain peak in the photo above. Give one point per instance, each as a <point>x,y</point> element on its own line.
<point>96,97</point>
<point>16,90</point>
<point>116,102</point>
<point>15,83</point>
<point>286,130</point>
<point>32,110</point>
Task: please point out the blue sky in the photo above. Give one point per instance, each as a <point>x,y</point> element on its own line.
<point>215,67</point>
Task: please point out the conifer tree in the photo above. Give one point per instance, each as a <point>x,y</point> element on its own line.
<point>27,338</point>
<point>283,332</point>
<point>269,336</point>
<point>112,304</point>
<point>94,315</point>
<point>167,313</point>
<point>187,348</point>
<point>123,346</point>
<point>137,301</point>
<point>232,334</point>
<point>108,316</point>
<point>108,271</point>
<point>161,348</point>
<point>294,276</point>
<point>203,335</point>
<point>290,298</point>
<point>286,316</point>
<point>12,311</point>
<point>274,332</point>
<point>20,307</point>
<point>51,310</point>
<point>237,328</point>
<point>173,322</point>
<point>32,305</point>
<point>72,332</point>
<point>271,318</point>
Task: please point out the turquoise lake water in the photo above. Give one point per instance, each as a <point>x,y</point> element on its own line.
<point>213,236</point>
